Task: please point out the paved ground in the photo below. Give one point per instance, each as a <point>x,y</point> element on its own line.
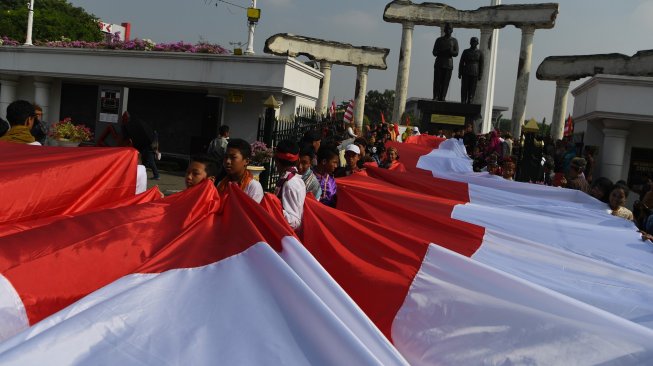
<point>172,178</point>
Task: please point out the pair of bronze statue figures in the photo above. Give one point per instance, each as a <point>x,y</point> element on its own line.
<point>470,68</point>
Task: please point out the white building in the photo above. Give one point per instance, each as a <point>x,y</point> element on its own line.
<point>615,113</point>
<point>184,96</point>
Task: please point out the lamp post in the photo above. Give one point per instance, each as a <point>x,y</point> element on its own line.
<point>30,23</point>
<point>253,15</point>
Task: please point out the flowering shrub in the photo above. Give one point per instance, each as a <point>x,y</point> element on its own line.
<point>134,44</point>
<point>6,41</point>
<point>67,130</point>
<point>261,153</point>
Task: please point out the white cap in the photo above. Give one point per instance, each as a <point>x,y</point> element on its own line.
<point>415,129</point>
<point>354,148</point>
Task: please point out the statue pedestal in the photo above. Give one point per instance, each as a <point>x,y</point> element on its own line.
<point>447,116</point>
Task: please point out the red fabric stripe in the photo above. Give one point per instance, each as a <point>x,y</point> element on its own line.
<point>42,181</point>
<point>375,265</point>
<point>420,215</point>
<point>425,140</point>
<point>421,183</point>
<point>150,195</point>
<point>409,154</point>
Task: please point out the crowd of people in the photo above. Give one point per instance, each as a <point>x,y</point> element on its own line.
<point>308,166</point>
<point>536,159</point>
<point>311,165</point>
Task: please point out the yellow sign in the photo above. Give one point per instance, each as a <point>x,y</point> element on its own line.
<point>235,97</point>
<point>253,14</point>
<point>449,120</point>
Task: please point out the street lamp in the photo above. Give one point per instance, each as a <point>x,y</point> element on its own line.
<point>253,15</point>
<point>30,22</point>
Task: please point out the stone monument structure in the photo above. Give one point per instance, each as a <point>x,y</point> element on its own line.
<point>527,17</point>
<point>444,50</point>
<point>470,71</point>
<point>328,53</point>
<point>565,69</point>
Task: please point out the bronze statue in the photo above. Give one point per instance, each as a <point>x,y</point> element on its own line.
<point>470,70</point>
<point>444,50</point>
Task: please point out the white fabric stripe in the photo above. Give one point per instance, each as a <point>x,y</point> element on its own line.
<point>620,246</point>
<point>461,312</point>
<point>249,309</point>
<point>625,293</point>
<point>316,277</point>
<point>13,317</point>
<point>536,201</point>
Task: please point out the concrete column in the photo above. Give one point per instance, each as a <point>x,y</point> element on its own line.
<point>7,95</point>
<point>521,86</point>
<point>360,99</point>
<point>560,109</point>
<point>42,97</point>
<point>485,46</point>
<point>323,97</point>
<point>403,72</point>
<point>614,150</point>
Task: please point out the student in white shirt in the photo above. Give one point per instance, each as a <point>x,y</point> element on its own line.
<point>291,189</point>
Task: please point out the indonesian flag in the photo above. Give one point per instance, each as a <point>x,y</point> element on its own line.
<point>382,118</point>
<point>349,112</point>
<point>188,279</point>
<point>432,266</point>
<point>569,127</point>
<point>332,110</point>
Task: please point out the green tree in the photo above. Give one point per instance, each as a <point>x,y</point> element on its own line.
<point>53,19</point>
<point>379,102</point>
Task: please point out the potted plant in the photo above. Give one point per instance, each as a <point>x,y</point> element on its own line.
<point>261,155</point>
<point>66,133</point>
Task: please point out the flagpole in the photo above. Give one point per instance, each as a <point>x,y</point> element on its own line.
<point>30,23</point>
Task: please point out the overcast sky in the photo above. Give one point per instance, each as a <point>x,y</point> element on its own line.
<point>582,27</point>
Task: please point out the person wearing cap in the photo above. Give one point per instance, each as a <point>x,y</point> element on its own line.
<point>575,178</point>
<point>290,189</point>
<point>416,131</point>
<point>352,155</point>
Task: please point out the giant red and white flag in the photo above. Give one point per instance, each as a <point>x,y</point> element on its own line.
<point>187,279</point>
<point>412,268</point>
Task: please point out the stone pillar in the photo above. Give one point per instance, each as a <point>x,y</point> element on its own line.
<point>323,97</point>
<point>42,97</point>
<point>614,149</point>
<point>7,94</point>
<point>485,46</point>
<point>361,83</point>
<point>521,86</point>
<point>401,89</point>
<point>560,109</point>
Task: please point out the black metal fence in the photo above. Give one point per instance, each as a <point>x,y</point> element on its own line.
<point>291,128</point>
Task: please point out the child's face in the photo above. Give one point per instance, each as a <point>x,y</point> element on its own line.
<point>304,164</point>
<point>617,198</point>
<point>329,166</point>
<point>195,173</point>
<point>234,163</point>
<point>508,171</point>
<point>392,155</point>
